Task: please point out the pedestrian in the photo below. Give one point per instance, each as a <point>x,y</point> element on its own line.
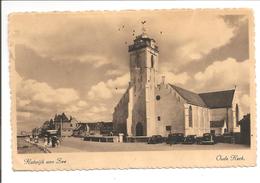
<point>36,140</point>
<point>50,142</point>
<point>170,138</point>
<point>58,142</point>
<point>45,141</point>
<point>53,141</point>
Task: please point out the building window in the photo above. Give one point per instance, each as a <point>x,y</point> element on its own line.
<point>237,115</point>
<point>159,118</point>
<point>190,116</point>
<point>152,61</point>
<point>168,128</point>
<point>158,97</point>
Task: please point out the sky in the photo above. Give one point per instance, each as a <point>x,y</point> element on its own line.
<point>77,63</point>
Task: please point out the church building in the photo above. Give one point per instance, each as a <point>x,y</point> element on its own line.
<point>149,107</point>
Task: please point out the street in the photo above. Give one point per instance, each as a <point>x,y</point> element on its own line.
<point>72,144</point>
<point>24,147</point>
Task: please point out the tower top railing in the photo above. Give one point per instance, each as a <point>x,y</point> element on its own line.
<point>143,41</point>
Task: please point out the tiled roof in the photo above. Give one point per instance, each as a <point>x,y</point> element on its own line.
<point>217,124</point>
<point>218,99</point>
<point>190,97</point>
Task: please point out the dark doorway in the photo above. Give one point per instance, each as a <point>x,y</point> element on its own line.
<point>139,129</point>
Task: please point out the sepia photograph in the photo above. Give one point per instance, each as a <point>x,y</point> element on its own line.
<point>148,81</point>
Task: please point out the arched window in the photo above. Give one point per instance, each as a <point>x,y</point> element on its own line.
<point>152,61</point>
<point>190,116</point>
<point>237,114</point>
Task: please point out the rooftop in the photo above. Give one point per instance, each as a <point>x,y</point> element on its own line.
<point>217,99</point>
<point>143,41</point>
<point>189,96</point>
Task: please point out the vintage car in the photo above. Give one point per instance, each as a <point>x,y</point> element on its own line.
<point>207,139</point>
<point>175,138</point>
<point>190,139</point>
<point>228,138</point>
<point>155,139</point>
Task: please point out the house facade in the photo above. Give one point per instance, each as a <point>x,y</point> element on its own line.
<point>64,125</point>
<point>151,108</point>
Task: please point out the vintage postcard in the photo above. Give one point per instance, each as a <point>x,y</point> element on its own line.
<point>133,89</point>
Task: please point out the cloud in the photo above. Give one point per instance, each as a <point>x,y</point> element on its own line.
<point>224,75</point>
<point>43,93</point>
<point>38,102</point>
<point>100,40</point>
<point>100,91</point>
<point>245,102</point>
<point>105,90</point>
<point>237,47</point>
<point>98,109</point>
<point>180,78</point>
<point>24,114</point>
<point>95,60</point>
<point>82,103</point>
<point>121,81</point>
<point>22,103</point>
<point>114,72</point>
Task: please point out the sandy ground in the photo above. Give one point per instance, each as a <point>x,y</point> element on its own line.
<point>72,144</point>
<point>24,147</point>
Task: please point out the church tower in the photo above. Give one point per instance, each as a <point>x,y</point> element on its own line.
<point>143,80</point>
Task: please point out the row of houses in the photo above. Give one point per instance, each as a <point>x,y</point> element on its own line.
<point>69,126</point>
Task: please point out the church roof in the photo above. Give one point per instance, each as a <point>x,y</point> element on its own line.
<point>218,99</point>
<point>189,96</point>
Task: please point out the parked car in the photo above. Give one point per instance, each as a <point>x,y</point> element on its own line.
<point>218,138</point>
<point>207,139</point>
<point>190,139</point>
<point>175,138</point>
<point>228,138</point>
<point>155,139</point>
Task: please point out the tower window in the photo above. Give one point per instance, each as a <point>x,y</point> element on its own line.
<point>159,118</point>
<point>168,128</point>
<point>158,97</point>
<point>152,61</point>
